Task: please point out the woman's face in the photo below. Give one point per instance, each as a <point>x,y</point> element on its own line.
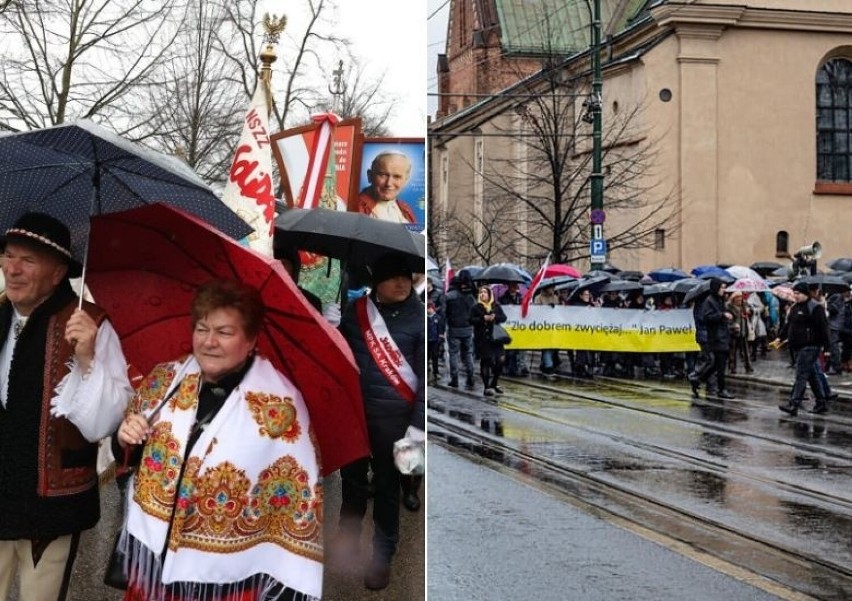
<point>220,344</point>
<point>484,295</point>
<point>585,295</point>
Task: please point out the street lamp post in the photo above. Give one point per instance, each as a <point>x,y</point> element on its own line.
<point>597,246</point>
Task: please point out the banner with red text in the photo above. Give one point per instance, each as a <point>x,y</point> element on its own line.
<point>249,191</point>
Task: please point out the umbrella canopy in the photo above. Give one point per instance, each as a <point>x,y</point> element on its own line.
<point>621,286</point>
<point>600,273</point>
<point>709,271</point>
<point>781,272</point>
<point>724,277</point>
<point>741,271</point>
<point>558,280</point>
<point>784,292</point>
<point>698,293</point>
<point>352,237</point>
<point>75,170</point>
<point>593,284</point>
<point>667,274</point>
<point>631,275</point>
<point>560,269</point>
<point>829,284</point>
<point>430,264</point>
<point>748,285</point>
<point>145,266</point>
<point>765,268</point>
<point>842,264</point>
<point>503,273</point>
<point>473,270</point>
<point>684,286</point>
<point>660,289</point>
<point>610,268</point>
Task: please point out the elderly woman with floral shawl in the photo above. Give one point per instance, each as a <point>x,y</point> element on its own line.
<point>226,501</point>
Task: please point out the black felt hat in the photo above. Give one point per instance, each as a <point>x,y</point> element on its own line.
<point>42,230</point>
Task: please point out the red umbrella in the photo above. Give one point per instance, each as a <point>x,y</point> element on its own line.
<point>144,267</point>
<point>560,269</point>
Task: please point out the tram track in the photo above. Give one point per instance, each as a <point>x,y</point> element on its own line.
<point>811,573</point>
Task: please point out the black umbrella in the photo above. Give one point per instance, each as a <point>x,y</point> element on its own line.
<point>557,280</point>
<point>842,264</point>
<point>781,272</point>
<point>684,286</point>
<point>828,283</point>
<point>501,273</point>
<point>766,268</point>
<point>592,284</point>
<point>621,286</point>
<point>77,170</point>
<point>610,268</point>
<point>634,276</point>
<point>660,289</point>
<point>599,273</point>
<point>353,238</point>
<point>697,293</point>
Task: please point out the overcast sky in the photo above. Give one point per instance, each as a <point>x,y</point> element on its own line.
<point>390,36</point>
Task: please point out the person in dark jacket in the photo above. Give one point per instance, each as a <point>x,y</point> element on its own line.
<point>838,316</point>
<point>485,314</point>
<point>516,365</point>
<point>394,406</point>
<point>459,302</point>
<point>807,333</point>
<point>435,333</point>
<point>716,319</point>
<point>704,362</point>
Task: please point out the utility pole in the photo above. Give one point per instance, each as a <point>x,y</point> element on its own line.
<point>597,245</point>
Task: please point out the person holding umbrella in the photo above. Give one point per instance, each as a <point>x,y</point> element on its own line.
<point>385,331</point>
<point>63,387</point>
<point>226,500</point>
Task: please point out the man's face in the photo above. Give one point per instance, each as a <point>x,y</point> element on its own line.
<point>32,274</point>
<point>389,177</point>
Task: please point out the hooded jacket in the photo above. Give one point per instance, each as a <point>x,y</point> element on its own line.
<point>459,302</point>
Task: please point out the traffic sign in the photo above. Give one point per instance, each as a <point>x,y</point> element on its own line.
<point>597,246</point>
<point>597,216</point>
<point>597,231</point>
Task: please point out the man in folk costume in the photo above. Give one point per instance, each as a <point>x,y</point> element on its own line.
<point>63,386</point>
<point>386,333</point>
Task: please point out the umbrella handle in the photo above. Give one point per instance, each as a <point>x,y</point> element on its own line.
<point>83,274</point>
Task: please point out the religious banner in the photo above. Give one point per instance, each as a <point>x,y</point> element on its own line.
<point>294,148</point>
<point>249,191</point>
<point>598,329</point>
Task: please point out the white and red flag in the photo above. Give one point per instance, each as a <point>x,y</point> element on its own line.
<point>318,163</point>
<point>448,275</point>
<point>250,192</point>
<point>525,302</point>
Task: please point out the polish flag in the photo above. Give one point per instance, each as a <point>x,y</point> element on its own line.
<point>249,191</point>
<point>525,302</point>
<point>448,275</point>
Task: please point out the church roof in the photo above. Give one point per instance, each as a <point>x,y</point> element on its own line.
<point>558,27</point>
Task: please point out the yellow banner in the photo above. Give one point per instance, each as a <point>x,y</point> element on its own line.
<point>597,329</point>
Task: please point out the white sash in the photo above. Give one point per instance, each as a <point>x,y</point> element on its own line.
<point>384,350</point>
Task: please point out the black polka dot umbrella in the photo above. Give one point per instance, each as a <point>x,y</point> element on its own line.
<point>76,170</point>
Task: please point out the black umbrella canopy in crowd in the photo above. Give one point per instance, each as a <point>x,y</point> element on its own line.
<point>765,268</point>
<point>842,264</point>
<point>829,284</point>
<point>621,286</point>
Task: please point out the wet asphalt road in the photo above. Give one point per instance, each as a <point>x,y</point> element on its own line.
<point>740,465</point>
<point>492,537</point>
<point>408,578</point>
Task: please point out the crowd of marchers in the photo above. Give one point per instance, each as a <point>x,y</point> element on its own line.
<point>733,330</point>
